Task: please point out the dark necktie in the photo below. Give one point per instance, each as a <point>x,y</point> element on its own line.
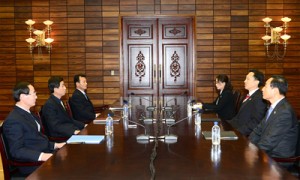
<point>85,96</point>
<point>38,125</point>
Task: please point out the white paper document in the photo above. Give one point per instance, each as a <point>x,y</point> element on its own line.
<point>85,139</point>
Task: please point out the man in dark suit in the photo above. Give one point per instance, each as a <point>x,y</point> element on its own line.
<point>253,108</point>
<point>81,106</point>
<point>21,130</point>
<point>58,123</point>
<point>278,132</point>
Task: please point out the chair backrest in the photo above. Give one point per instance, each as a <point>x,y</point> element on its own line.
<point>68,108</point>
<point>4,156</point>
<point>237,97</point>
<point>298,142</point>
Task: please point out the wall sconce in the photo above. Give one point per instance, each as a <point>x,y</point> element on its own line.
<point>39,39</point>
<point>275,38</point>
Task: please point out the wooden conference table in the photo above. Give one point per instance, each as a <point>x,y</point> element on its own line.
<point>191,157</point>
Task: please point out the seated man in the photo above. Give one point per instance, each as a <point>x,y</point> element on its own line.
<point>82,107</point>
<point>21,130</point>
<point>253,108</point>
<point>58,123</point>
<point>278,132</point>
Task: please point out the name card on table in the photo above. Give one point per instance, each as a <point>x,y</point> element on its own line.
<point>85,139</point>
<point>225,135</point>
<point>103,121</point>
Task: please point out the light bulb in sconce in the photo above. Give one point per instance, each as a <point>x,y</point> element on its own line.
<point>276,38</point>
<point>37,38</point>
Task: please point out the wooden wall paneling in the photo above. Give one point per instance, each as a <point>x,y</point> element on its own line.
<point>86,40</point>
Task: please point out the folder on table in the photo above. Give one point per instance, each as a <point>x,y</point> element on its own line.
<point>225,135</point>
<point>103,120</point>
<point>85,139</point>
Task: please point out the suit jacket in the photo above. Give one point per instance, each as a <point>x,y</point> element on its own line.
<point>57,121</point>
<point>250,114</point>
<point>278,135</point>
<point>225,107</point>
<point>82,108</point>
<point>24,141</point>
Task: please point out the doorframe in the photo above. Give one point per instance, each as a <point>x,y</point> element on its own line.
<point>193,46</point>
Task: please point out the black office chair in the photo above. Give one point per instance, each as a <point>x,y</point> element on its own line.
<point>295,161</point>
<point>68,108</point>
<point>237,97</point>
<point>10,167</point>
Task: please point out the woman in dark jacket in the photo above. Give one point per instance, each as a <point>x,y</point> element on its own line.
<point>224,103</point>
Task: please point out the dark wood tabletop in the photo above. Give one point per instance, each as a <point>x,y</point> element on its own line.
<point>190,157</point>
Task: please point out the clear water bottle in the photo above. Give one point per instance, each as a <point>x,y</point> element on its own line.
<point>189,109</point>
<point>215,154</point>
<point>215,134</point>
<point>198,118</point>
<point>109,126</point>
<point>109,142</point>
<point>125,123</point>
<point>125,110</point>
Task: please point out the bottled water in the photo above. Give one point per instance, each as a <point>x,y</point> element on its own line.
<point>189,109</point>
<point>109,128</point>
<point>109,142</point>
<point>125,123</point>
<point>198,118</point>
<point>215,134</point>
<point>125,110</point>
<point>215,154</point>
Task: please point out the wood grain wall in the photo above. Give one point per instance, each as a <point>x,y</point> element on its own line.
<point>87,40</point>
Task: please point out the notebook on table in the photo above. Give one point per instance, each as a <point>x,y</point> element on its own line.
<point>85,139</point>
<point>225,135</point>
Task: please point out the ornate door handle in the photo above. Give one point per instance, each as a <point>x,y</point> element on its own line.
<point>160,73</point>
<point>154,73</point>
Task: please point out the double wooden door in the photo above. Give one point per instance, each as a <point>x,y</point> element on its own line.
<point>158,57</point>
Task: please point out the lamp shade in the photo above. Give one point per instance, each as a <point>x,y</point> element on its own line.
<point>267,20</point>
<point>38,32</point>
<point>30,22</point>
<point>49,40</point>
<point>277,29</point>
<point>266,38</point>
<point>286,19</point>
<point>285,37</point>
<point>48,23</point>
<point>30,40</point>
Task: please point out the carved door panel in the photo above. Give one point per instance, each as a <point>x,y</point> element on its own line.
<point>158,58</point>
